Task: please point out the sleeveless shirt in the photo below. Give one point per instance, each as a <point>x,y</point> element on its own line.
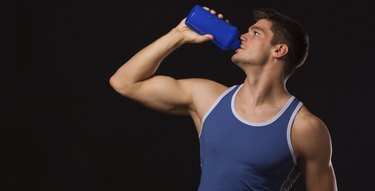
<point>238,155</point>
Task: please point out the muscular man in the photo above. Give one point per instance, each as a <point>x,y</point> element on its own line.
<point>254,135</point>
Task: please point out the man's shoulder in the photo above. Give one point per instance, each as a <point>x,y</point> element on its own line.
<point>202,87</point>
<point>307,121</point>
<point>310,134</point>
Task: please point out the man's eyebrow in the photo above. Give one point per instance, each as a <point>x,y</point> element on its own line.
<point>254,27</point>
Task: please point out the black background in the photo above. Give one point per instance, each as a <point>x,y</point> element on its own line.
<point>64,128</point>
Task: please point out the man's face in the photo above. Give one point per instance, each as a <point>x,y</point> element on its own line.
<point>255,44</point>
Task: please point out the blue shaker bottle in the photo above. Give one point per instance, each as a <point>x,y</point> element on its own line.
<point>204,22</point>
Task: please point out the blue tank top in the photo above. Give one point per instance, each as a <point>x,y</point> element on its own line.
<point>237,155</point>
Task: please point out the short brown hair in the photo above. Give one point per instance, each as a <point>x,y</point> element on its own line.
<point>289,31</point>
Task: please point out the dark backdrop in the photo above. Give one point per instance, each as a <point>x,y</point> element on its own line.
<point>64,128</point>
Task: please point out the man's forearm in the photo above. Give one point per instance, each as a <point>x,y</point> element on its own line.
<point>145,63</point>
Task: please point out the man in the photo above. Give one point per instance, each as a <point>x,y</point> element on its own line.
<point>254,135</point>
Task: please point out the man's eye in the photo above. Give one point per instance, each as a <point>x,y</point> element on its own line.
<point>256,33</point>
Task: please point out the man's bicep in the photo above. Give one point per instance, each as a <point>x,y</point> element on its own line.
<point>320,177</point>
<point>318,152</point>
<point>163,93</point>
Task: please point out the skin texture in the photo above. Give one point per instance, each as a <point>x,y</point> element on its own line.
<point>262,95</point>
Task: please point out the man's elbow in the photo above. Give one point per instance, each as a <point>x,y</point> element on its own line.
<point>119,85</point>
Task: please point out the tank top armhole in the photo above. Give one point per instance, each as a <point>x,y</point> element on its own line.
<point>288,133</point>
<point>214,105</point>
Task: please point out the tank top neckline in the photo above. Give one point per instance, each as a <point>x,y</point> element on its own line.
<point>258,124</point>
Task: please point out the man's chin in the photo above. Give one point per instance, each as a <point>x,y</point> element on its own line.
<point>234,58</point>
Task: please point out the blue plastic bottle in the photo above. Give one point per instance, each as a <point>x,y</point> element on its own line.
<point>204,22</point>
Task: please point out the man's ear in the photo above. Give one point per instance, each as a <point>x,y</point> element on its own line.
<point>280,50</point>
